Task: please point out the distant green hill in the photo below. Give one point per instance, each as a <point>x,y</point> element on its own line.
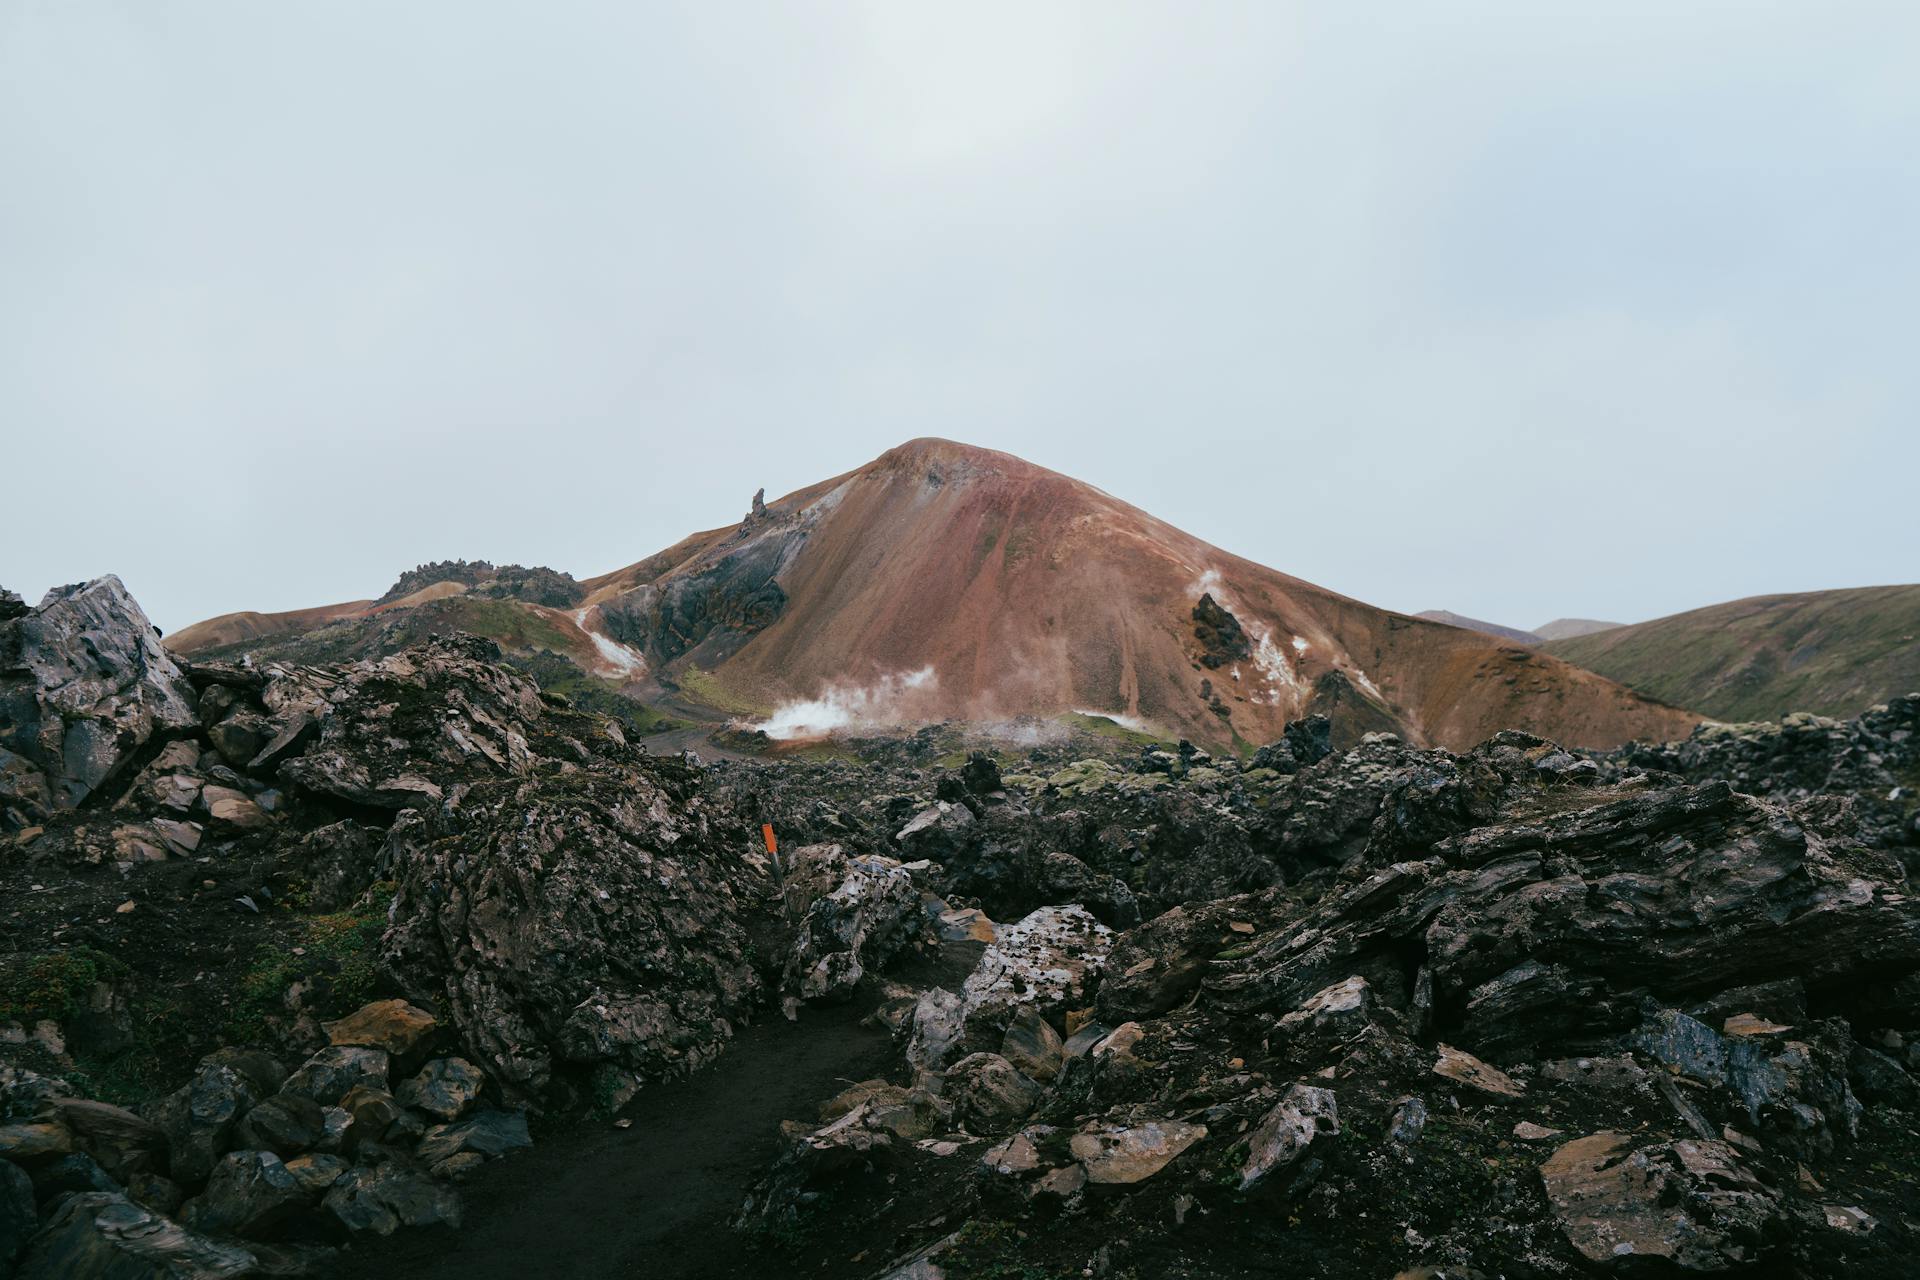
<point>1830,652</point>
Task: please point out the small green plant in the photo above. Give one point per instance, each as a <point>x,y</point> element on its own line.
<point>55,985</point>
<point>342,948</point>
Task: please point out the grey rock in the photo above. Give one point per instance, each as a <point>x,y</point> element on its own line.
<point>989,1094</point>
<point>1304,1115</point>
<point>445,1088</point>
<point>18,1215</point>
<point>1691,1204</point>
<point>850,914</point>
<point>104,1234</point>
<point>486,1132</point>
<point>381,1200</point>
<point>330,1074</point>
<point>200,1117</point>
<point>285,1124</point>
<point>84,684</point>
<point>250,1193</point>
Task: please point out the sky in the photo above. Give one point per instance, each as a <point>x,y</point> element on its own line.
<point>1523,310</point>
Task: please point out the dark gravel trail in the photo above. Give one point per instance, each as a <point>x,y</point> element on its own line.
<point>652,1200</point>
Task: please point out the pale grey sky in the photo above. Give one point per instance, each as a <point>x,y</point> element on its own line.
<point>1522,309</point>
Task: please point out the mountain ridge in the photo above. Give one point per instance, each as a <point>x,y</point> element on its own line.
<point>946,581</point>
<point>1834,652</point>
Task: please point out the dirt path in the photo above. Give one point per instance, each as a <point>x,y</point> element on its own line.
<point>652,1200</point>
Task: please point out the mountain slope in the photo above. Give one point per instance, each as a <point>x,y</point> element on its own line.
<point>1451,619</point>
<point>946,581</point>
<point>1830,652</point>
<point>942,581</point>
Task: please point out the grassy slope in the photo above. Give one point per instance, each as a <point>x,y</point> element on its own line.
<point>1830,652</point>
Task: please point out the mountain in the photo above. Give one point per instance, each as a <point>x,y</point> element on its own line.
<point>1451,619</point>
<point>943,581</point>
<point>1567,628</point>
<point>1830,652</point>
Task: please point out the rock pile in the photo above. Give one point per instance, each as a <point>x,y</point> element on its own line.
<point>1516,1011</point>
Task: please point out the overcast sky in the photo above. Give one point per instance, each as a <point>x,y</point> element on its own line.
<point>1523,310</point>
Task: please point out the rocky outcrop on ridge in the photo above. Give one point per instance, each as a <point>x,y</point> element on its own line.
<point>1871,763</point>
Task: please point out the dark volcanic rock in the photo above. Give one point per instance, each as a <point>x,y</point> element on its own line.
<point>84,685</point>
<point>598,918</point>
<point>1222,639</point>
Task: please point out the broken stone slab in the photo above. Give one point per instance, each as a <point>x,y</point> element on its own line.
<point>233,808</point>
<point>489,1132</point>
<point>1690,1203</point>
<point>1303,1114</point>
<point>1459,1065</point>
<point>1120,1155</point>
<point>1032,1045</point>
<point>105,1234</point>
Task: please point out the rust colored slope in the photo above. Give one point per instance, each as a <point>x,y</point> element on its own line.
<point>1027,591</point>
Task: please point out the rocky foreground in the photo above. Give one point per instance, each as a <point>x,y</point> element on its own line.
<point>290,957</point>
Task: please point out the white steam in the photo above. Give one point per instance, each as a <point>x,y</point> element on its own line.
<point>1120,718</point>
<point>840,707</point>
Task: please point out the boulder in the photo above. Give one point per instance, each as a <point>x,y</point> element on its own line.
<point>200,1117</point>
<point>250,1193</point>
<point>330,1074</point>
<point>1044,961</point>
<point>316,1172</point>
<point>850,914</point>
<point>232,808</point>
<point>84,684</point>
<point>1879,1079</point>
<point>19,1217</point>
<point>445,1088</point>
<point>605,921</point>
<point>1032,1045</point>
<point>1065,878</point>
<point>1120,1155</point>
<point>1690,1204</point>
<point>371,1113</point>
<point>940,832</point>
<point>102,1233</point>
<point>1303,1114</point>
<point>285,1124</point>
<point>34,1139</point>
<point>381,1200</point>
<point>989,1094</point>
<point>394,1026</point>
<point>935,1029</point>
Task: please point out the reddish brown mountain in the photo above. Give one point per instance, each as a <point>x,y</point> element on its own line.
<point>1006,588</point>
<point>942,581</point>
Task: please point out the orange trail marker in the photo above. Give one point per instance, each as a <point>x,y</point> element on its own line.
<point>766,829</point>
